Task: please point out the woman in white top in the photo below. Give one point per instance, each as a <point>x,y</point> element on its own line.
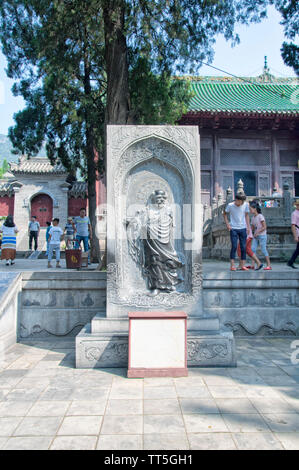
<point>9,240</point>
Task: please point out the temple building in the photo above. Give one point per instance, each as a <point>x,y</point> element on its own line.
<point>249,129</point>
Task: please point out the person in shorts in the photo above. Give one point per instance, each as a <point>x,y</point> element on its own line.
<point>259,229</point>
<point>55,237</point>
<point>250,253</point>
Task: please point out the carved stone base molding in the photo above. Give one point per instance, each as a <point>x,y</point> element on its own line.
<point>96,351</point>
<point>217,350</point>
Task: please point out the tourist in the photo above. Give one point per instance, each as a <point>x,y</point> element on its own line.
<point>249,252</point>
<point>295,232</point>
<point>276,193</point>
<point>55,237</point>
<point>239,227</point>
<point>49,225</point>
<point>69,232</point>
<point>259,228</point>
<point>9,240</point>
<point>83,230</point>
<point>33,232</point>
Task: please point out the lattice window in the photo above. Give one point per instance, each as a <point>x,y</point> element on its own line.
<point>289,180</point>
<point>289,158</point>
<point>244,158</point>
<point>264,185</point>
<point>205,156</point>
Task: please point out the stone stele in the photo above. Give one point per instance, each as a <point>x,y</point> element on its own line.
<point>154,245</point>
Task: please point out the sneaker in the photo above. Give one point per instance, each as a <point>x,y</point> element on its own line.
<point>7,263</point>
<point>260,267</point>
<point>49,265</point>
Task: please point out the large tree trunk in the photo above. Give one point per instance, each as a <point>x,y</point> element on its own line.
<point>117,110</point>
<point>92,203</point>
<point>92,165</point>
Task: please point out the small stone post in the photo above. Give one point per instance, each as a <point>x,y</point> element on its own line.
<point>229,195</point>
<point>240,186</point>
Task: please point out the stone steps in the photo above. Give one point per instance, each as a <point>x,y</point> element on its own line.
<point>23,241</point>
<point>101,324</point>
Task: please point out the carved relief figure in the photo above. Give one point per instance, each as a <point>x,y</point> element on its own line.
<point>150,234</point>
<point>289,299</point>
<point>236,302</point>
<point>88,302</point>
<point>251,299</point>
<point>272,300</point>
<point>217,300</point>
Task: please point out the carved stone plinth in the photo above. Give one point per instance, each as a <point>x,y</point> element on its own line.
<point>215,350</point>
<point>111,350</point>
<point>154,244</point>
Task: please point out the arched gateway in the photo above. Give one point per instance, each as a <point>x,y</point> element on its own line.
<point>42,208</point>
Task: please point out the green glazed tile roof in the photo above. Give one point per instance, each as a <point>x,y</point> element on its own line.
<point>216,94</point>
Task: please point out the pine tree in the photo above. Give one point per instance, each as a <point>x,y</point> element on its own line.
<point>81,64</point>
<point>289,10</point>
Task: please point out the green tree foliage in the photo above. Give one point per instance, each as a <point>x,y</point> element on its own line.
<point>66,54</point>
<point>80,64</point>
<point>4,168</point>
<point>156,98</point>
<point>289,10</point>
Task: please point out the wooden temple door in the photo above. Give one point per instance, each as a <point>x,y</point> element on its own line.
<point>42,208</point>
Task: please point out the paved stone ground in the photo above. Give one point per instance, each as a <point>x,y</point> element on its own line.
<point>45,403</point>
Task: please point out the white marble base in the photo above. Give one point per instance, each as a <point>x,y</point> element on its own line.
<point>157,344</point>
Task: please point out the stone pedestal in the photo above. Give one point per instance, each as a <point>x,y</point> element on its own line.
<point>158,344</point>
<point>154,245</point>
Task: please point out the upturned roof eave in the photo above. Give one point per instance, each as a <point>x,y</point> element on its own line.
<point>242,113</point>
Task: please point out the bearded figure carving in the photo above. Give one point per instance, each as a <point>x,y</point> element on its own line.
<point>150,239</point>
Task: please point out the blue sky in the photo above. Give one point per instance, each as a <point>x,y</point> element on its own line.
<point>246,59</point>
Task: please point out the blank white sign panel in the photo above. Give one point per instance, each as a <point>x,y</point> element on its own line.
<point>157,343</point>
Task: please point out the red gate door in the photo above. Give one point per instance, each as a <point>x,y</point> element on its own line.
<point>42,208</point>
